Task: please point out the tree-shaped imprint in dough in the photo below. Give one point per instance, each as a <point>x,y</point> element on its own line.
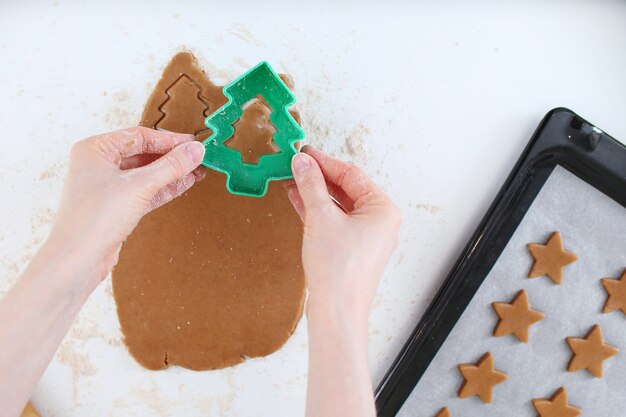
<point>182,97</point>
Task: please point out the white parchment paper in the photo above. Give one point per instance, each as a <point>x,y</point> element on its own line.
<point>593,226</point>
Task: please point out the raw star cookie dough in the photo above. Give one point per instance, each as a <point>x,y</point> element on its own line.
<point>556,406</point>
<point>210,278</point>
<point>589,353</point>
<point>616,294</point>
<point>480,378</point>
<point>443,413</point>
<point>550,258</point>
<point>516,318</point>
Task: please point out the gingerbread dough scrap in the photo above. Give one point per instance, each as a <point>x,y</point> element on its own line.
<point>444,412</point>
<point>616,294</point>
<point>516,318</point>
<point>480,378</point>
<point>589,353</point>
<point>550,258</point>
<point>556,406</point>
<point>255,118</point>
<point>211,278</point>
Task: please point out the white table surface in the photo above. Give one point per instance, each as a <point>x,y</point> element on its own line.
<point>437,100</point>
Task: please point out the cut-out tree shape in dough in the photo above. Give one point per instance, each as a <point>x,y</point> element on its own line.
<point>255,118</point>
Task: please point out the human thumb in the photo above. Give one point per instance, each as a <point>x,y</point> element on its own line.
<point>310,181</point>
<point>175,164</point>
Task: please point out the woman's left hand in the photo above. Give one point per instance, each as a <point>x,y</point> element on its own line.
<point>113,180</point>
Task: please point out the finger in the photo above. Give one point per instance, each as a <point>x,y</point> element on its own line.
<point>139,140</point>
<point>310,181</point>
<point>137,161</point>
<point>175,164</point>
<point>348,177</point>
<point>171,191</point>
<point>295,199</point>
<point>338,195</point>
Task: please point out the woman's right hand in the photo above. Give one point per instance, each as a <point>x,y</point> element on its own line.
<point>350,230</point>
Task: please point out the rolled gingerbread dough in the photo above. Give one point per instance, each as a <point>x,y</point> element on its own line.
<point>211,278</point>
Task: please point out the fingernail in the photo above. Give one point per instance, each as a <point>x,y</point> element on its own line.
<point>300,163</point>
<point>195,150</point>
<point>199,173</point>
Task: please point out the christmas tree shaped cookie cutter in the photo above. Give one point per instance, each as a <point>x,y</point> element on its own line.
<point>244,178</point>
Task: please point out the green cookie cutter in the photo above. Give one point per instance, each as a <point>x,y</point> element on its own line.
<point>252,179</point>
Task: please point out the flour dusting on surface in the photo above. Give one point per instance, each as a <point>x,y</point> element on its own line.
<point>354,145</point>
<point>122,113</point>
<point>428,208</point>
<point>53,171</point>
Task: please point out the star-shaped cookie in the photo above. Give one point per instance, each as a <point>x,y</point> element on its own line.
<point>589,353</point>
<point>480,378</point>
<point>444,412</point>
<point>616,294</point>
<point>556,406</point>
<point>550,258</point>
<point>516,318</point>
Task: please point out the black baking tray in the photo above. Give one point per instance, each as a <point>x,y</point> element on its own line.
<point>562,138</point>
